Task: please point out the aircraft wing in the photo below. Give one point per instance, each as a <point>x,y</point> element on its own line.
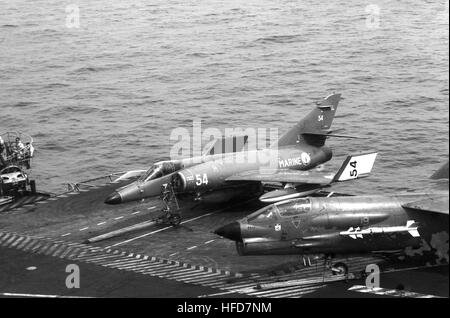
<point>436,205</point>
<point>353,167</point>
<point>285,176</point>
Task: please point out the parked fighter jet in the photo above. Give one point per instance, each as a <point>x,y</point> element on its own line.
<point>149,182</point>
<point>220,178</point>
<point>415,224</point>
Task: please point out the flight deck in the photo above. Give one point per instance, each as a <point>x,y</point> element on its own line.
<point>60,227</point>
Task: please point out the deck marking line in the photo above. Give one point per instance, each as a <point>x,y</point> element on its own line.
<point>160,230</point>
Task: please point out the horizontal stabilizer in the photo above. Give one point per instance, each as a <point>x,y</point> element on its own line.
<point>338,136</point>
<point>330,133</point>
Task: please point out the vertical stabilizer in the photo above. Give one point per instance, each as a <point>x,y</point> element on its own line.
<point>313,128</point>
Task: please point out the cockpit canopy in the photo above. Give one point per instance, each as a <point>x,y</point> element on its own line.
<point>283,209</point>
<point>294,207</point>
<point>159,170</point>
<point>265,214</point>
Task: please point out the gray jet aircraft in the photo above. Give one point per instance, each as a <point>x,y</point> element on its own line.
<point>221,177</point>
<point>409,224</point>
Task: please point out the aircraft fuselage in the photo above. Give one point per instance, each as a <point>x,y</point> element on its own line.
<point>198,175</point>
<point>343,225</point>
<point>212,175</point>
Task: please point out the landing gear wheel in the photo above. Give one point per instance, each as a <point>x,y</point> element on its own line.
<point>339,269</point>
<point>168,218</point>
<point>175,220</point>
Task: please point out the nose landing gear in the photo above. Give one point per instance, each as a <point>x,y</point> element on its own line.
<point>339,269</point>
<point>336,269</point>
<point>171,211</point>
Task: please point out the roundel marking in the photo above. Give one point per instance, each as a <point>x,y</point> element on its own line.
<point>306,159</point>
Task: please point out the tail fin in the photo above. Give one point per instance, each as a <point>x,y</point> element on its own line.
<point>441,173</point>
<point>315,126</point>
<point>356,167</point>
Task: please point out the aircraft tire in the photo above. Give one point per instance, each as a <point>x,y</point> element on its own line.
<point>340,269</point>
<point>175,220</point>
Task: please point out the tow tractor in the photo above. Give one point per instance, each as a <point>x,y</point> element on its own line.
<point>16,151</point>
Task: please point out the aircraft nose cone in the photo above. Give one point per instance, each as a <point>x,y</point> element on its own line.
<point>114,198</point>
<point>230,231</point>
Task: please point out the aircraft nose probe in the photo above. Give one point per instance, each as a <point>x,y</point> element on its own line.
<point>230,231</point>
<point>114,198</point>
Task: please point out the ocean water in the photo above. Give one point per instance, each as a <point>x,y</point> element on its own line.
<point>105,96</point>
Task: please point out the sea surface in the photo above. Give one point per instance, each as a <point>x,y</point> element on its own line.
<point>104,95</point>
